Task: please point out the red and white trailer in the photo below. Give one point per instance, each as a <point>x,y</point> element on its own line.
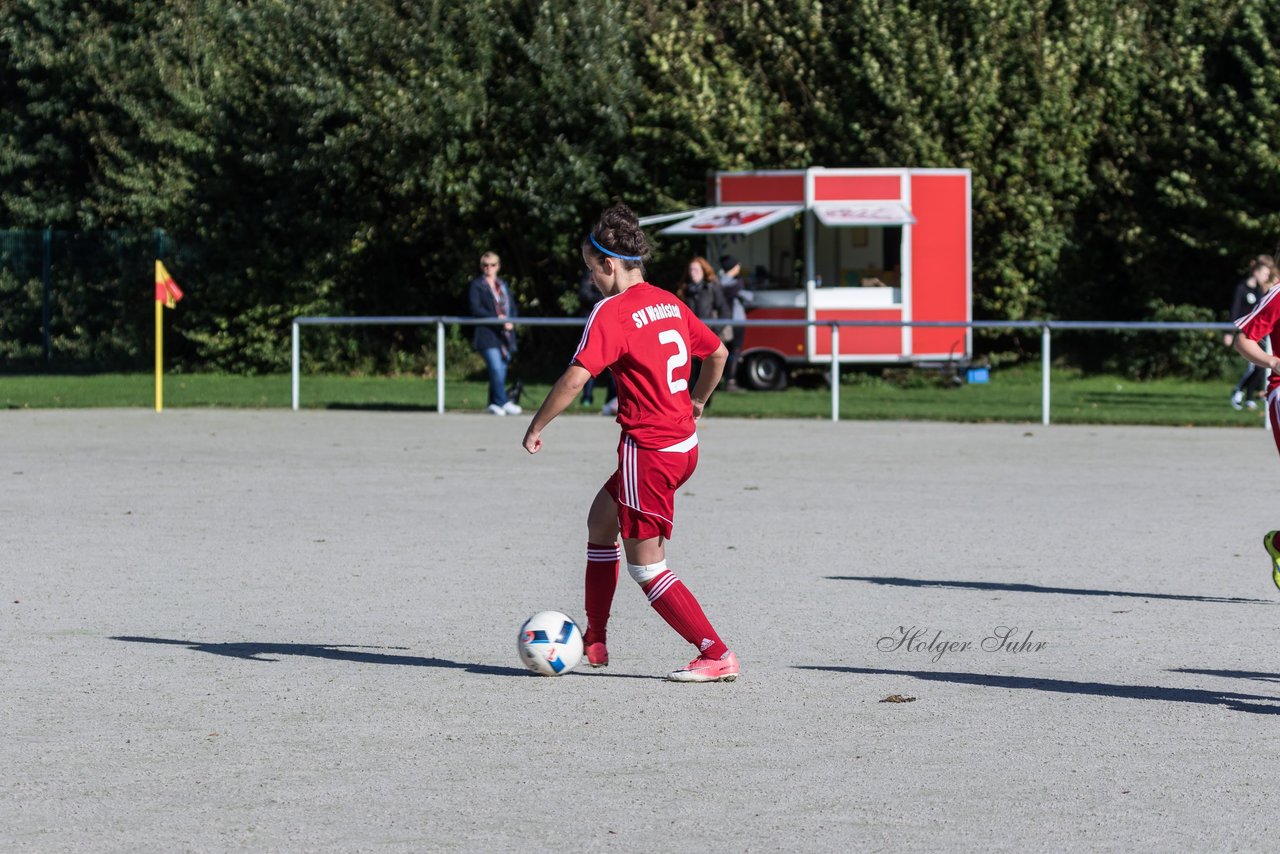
<point>877,244</point>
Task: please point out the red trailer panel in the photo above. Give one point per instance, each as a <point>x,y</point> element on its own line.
<point>870,188</point>
<point>760,188</point>
<point>785,340</point>
<point>940,272</point>
<point>859,340</point>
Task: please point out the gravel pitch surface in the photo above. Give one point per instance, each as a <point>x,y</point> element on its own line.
<point>264,630</point>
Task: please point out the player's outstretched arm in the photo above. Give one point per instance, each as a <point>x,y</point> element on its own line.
<point>708,379</point>
<point>1252,351</point>
<point>563,393</point>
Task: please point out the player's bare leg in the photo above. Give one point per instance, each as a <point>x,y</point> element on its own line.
<point>601,576</point>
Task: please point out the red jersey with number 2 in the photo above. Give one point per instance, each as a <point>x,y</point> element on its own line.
<point>647,337</point>
<point>1260,323</point>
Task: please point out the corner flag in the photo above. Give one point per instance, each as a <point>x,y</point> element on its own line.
<point>167,295</point>
<point>167,290</point>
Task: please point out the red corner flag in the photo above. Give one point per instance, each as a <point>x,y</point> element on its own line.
<point>167,290</point>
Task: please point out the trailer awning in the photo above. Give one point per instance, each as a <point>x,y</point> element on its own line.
<point>656,219</point>
<point>743,219</point>
<point>863,214</point>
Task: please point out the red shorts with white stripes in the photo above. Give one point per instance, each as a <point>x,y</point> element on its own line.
<point>644,488</point>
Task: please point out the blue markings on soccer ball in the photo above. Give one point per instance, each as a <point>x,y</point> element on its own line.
<point>550,643</point>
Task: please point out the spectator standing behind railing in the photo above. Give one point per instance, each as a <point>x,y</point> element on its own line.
<point>700,290</point>
<point>1249,291</point>
<point>735,293</point>
<point>489,296</point>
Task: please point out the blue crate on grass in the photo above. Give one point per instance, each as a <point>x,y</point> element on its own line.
<point>975,376</point>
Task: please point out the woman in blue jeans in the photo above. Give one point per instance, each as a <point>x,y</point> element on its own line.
<point>490,297</point>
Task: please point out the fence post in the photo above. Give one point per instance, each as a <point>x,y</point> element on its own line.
<point>296,360</point>
<point>45,277</point>
<point>1044,370</point>
<point>440,366</point>
<point>835,372</point>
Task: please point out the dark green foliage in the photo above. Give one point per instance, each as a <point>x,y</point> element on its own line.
<point>327,157</point>
<point>1193,354</point>
<point>100,298</point>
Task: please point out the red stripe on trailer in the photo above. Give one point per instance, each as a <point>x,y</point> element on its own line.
<point>870,188</point>
<point>787,340</point>
<point>750,188</point>
<point>859,340</point>
<point>939,261</point>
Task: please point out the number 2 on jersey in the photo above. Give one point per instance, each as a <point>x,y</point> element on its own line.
<point>671,336</point>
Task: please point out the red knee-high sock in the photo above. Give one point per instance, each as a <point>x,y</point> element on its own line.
<point>673,601</point>
<point>601,582</point>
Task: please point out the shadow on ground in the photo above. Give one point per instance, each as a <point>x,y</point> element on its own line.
<point>345,652</point>
<point>1229,674</point>
<point>1035,588</point>
<point>1236,702</point>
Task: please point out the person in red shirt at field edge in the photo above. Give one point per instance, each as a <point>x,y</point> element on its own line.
<point>1254,327</point>
<point>647,337</point>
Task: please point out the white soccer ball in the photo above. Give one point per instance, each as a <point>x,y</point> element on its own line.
<point>550,644</point>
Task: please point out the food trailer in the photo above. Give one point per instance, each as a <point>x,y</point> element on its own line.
<point>843,244</point>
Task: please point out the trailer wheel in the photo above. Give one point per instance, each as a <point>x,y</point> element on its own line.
<point>766,372</point>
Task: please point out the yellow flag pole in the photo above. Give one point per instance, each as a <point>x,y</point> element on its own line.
<point>159,356</point>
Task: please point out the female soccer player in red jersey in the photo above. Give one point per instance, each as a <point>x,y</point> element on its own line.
<point>647,337</point>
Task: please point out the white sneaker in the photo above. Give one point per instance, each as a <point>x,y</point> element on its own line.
<point>496,409</point>
<point>610,407</point>
<point>1237,397</point>
<point>511,409</point>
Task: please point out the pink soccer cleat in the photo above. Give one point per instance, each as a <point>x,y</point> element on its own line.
<point>708,670</point>
<point>597,654</point>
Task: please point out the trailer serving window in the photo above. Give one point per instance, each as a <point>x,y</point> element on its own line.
<point>860,244</point>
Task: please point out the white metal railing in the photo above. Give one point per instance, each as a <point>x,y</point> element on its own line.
<point>1045,327</point>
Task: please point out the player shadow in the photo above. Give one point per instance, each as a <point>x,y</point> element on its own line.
<point>333,652</point>
<point>1233,701</point>
<point>353,653</point>
<point>1036,588</point>
<point>1229,674</point>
